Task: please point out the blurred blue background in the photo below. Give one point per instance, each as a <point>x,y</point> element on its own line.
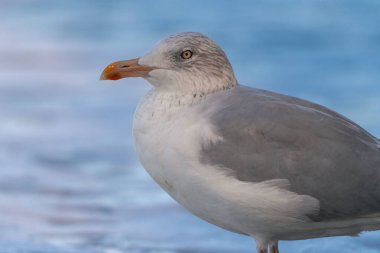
<point>69,178</point>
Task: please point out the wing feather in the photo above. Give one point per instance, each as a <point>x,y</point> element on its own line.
<point>269,136</point>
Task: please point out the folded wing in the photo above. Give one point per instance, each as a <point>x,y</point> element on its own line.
<point>321,153</point>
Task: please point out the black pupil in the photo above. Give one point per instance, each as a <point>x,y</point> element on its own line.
<point>186,54</point>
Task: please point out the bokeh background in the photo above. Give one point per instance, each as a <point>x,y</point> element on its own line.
<point>69,178</point>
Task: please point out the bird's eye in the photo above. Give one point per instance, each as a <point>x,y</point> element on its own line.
<point>187,54</point>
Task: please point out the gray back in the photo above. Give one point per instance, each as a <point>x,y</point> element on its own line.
<point>321,153</point>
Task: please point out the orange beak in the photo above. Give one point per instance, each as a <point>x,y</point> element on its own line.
<point>122,69</point>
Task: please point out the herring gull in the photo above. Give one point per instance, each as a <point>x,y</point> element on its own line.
<point>252,161</point>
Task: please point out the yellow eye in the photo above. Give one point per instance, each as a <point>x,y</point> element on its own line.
<point>186,54</point>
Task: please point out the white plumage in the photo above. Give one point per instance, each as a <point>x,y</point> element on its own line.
<point>251,161</point>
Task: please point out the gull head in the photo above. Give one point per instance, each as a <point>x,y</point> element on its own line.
<point>184,62</point>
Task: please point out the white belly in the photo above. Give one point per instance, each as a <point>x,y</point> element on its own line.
<point>169,140</point>
<point>168,143</point>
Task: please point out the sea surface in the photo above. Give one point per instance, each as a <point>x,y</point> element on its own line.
<point>70,180</point>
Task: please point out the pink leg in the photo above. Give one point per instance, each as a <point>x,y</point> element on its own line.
<point>274,248</point>
<point>263,251</point>
<point>262,244</point>
<point>262,247</point>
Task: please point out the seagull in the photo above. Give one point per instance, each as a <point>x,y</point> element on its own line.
<point>255,162</point>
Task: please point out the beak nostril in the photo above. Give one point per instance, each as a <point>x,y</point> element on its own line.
<point>123,66</point>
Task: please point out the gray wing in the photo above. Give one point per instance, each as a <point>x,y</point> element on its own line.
<point>321,153</point>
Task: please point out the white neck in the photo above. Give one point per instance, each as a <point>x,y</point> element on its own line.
<point>166,101</point>
<point>189,83</point>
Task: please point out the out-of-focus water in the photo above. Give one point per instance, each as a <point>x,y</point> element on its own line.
<point>69,177</point>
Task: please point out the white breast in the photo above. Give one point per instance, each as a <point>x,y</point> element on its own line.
<point>169,137</point>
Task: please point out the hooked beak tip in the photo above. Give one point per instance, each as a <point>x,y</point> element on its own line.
<point>122,69</point>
